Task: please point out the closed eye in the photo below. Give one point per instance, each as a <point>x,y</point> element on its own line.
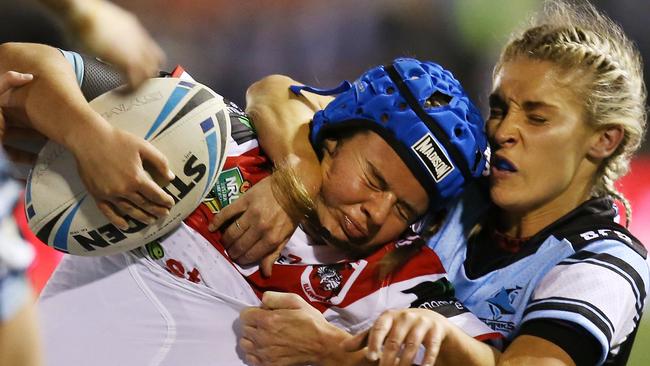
<point>537,119</point>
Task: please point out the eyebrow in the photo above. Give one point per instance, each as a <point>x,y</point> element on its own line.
<point>496,100</point>
<point>383,184</point>
<point>530,105</point>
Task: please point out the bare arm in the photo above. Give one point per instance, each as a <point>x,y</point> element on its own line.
<point>113,34</point>
<point>53,95</point>
<point>531,350</point>
<point>110,161</point>
<point>259,225</point>
<point>282,122</point>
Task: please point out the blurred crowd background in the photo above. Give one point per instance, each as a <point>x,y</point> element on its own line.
<point>229,44</point>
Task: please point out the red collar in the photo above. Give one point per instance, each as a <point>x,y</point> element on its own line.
<point>508,243</point>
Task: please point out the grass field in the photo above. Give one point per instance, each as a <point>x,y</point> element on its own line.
<point>641,352</point>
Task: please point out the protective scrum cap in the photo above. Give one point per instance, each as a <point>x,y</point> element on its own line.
<point>422,111</point>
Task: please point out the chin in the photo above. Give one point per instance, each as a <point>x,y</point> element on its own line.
<point>503,199</point>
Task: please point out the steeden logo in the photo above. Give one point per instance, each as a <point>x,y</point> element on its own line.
<point>433,157</point>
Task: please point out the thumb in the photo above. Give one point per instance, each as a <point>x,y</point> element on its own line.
<point>155,162</point>
<point>272,300</point>
<point>9,80</point>
<point>355,343</point>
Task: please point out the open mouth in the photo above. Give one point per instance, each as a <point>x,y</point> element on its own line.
<point>503,164</point>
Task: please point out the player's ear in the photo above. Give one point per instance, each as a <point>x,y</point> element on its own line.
<point>605,141</point>
<point>331,146</point>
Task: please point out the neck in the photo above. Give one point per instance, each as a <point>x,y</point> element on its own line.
<point>534,219</point>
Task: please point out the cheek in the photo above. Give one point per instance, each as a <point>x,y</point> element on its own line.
<point>339,185</point>
<point>390,230</point>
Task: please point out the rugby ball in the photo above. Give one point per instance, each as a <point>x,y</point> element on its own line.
<point>186,121</point>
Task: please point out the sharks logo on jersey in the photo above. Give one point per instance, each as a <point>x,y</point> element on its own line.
<point>501,307</point>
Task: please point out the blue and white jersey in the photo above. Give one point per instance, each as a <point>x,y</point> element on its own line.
<point>584,270</point>
<point>15,254</point>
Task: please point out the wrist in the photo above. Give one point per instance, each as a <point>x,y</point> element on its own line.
<point>90,130</point>
<point>310,174</point>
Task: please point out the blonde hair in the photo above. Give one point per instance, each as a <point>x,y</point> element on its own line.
<point>580,39</point>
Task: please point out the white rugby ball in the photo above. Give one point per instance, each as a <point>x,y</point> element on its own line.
<point>186,121</point>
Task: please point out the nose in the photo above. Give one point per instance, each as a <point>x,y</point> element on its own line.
<point>378,206</point>
<point>505,131</point>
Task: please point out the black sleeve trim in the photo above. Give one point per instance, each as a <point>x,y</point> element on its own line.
<point>579,344</point>
<point>98,78</point>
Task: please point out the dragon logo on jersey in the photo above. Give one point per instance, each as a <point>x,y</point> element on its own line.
<point>330,278</point>
<point>330,283</point>
<point>500,305</point>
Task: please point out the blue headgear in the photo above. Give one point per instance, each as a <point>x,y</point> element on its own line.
<point>443,144</point>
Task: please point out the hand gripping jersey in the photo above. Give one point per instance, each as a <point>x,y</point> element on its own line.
<point>583,270</point>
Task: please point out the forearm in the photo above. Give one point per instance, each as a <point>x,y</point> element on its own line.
<point>53,102</point>
<point>458,348</point>
<point>282,122</point>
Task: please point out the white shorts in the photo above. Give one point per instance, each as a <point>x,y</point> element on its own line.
<point>126,310</point>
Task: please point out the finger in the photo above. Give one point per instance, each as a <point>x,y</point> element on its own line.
<point>158,54</point>
<point>377,335</point>
<point>242,249</point>
<point>9,80</point>
<point>272,300</point>
<point>248,332</point>
<point>125,207</point>
<point>228,213</point>
<point>136,74</point>
<point>12,79</point>
<point>109,211</point>
<point>393,343</point>
<point>412,343</point>
<point>253,360</point>
<point>232,233</point>
<point>249,317</point>
<point>152,192</point>
<point>152,209</point>
<point>266,265</point>
<point>246,345</point>
<point>357,342</point>
<point>432,342</point>
<point>157,162</point>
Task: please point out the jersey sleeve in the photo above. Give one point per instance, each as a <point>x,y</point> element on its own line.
<point>93,76</point>
<point>601,289</point>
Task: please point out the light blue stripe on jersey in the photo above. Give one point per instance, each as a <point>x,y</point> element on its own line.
<point>14,294</point>
<point>77,64</point>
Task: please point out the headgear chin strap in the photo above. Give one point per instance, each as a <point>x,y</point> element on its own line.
<point>422,111</point>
